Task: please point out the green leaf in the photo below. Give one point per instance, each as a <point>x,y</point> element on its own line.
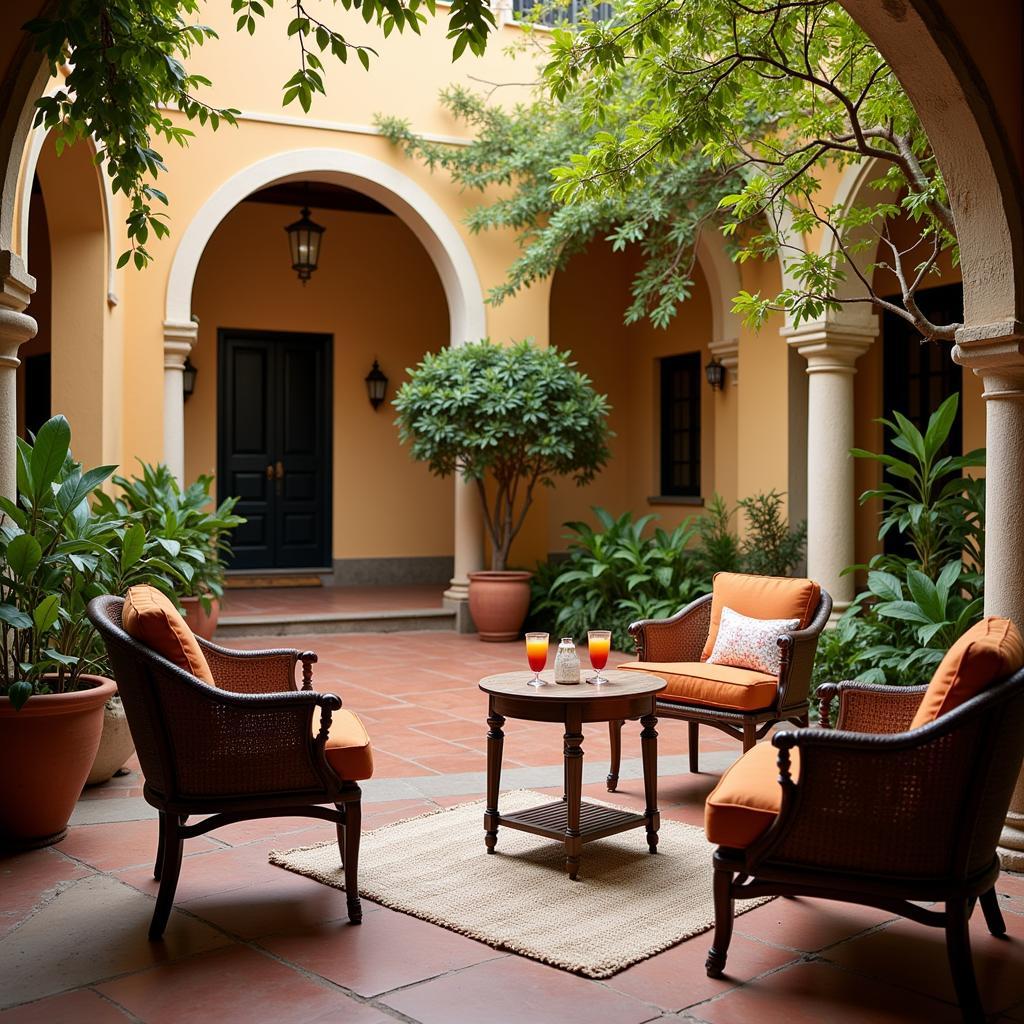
<point>23,555</point>
<point>47,612</point>
<point>18,693</point>
<point>53,442</point>
<point>14,617</point>
<point>132,546</point>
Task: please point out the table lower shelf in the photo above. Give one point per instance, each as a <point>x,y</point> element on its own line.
<point>596,821</point>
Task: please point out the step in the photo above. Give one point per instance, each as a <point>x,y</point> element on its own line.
<point>379,621</point>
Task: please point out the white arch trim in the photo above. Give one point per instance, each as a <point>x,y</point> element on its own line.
<point>28,170</point>
<point>372,177</point>
<point>723,278</point>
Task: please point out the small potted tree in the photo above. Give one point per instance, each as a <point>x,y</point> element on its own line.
<point>508,420</point>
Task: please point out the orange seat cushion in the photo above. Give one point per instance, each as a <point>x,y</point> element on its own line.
<point>760,597</point>
<point>348,750</point>
<point>987,653</point>
<point>717,686</point>
<point>149,617</point>
<point>748,798</point>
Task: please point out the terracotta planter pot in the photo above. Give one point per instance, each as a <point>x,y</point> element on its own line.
<point>201,622</point>
<point>116,744</point>
<point>498,602</point>
<point>46,751</point>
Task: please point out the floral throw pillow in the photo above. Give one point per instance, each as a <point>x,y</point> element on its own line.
<point>744,642</point>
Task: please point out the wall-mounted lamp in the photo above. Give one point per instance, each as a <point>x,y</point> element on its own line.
<point>715,373</point>
<point>188,379</point>
<point>376,385</point>
<point>304,238</point>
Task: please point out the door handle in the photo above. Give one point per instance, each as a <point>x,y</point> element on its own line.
<point>269,471</point>
<point>279,476</point>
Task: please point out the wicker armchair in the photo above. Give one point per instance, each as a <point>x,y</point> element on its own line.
<point>247,748</point>
<point>681,639</point>
<point>883,816</point>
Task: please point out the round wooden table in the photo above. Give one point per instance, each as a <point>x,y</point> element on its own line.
<point>626,695</point>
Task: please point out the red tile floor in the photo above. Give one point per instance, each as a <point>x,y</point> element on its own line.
<point>249,942</point>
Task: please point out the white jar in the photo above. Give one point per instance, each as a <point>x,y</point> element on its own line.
<point>567,663</point>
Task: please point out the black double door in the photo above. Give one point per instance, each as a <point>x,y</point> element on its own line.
<point>274,446</point>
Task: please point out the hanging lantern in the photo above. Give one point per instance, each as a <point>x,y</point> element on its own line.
<point>376,385</point>
<point>304,241</point>
<point>188,379</point>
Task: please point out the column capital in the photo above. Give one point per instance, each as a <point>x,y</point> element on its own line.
<point>832,345</point>
<point>727,352</point>
<point>179,337</point>
<point>995,352</point>
<point>17,285</point>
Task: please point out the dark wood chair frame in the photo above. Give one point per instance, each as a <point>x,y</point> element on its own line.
<point>682,638</point>
<point>882,816</point>
<point>237,751</point>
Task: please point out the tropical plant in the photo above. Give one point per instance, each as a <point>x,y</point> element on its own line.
<point>56,554</point>
<point>517,417</point>
<point>915,606</point>
<point>185,523</point>
<point>623,571</point>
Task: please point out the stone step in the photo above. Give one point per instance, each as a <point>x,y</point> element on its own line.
<point>378,621</point>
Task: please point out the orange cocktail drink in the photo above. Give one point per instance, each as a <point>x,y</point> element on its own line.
<point>537,655</point>
<point>599,643</point>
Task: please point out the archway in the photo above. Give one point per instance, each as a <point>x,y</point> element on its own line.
<point>421,217</point>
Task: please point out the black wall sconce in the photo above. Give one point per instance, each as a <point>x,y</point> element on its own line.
<point>376,385</point>
<point>188,378</point>
<point>715,373</point>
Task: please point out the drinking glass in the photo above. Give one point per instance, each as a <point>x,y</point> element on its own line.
<point>537,655</point>
<point>599,643</point>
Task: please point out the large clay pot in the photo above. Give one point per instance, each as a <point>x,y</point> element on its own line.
<point>116,744</point>
<point>46,751</point>
<point>201,622</point>
<point>498,602</point>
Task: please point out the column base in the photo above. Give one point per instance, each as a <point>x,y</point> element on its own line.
<point>838,608</point>
<point>1011,846</point>
<point>456,599</point>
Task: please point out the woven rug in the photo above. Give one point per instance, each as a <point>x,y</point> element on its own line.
<point>625,906</point>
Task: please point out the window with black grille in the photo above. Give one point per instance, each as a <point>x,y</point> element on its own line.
<point>680,425</point>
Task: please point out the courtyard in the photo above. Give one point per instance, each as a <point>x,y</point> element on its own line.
<point>249,941</point>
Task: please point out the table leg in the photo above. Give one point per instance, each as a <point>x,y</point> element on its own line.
<point>649,750</point>
<point>495,744</point>
<point>573,788</point>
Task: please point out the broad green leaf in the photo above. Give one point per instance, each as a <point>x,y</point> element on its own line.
<point>18,693</point>
<point>47,612</point>
<point>53,442</point>
<point>23,555</point>
<point>15,617</point>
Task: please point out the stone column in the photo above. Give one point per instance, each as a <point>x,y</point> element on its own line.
<point>16,327</point>
<point>178,341</point>
<point>831,350</point>
<point>469,556</point>
<point>996,354</point>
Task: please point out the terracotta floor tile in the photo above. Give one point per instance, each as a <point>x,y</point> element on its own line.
<point>265,829</point>
<point>817,993</point>
<point>387,951</point>
<point>81,1007</point>
<point>676,978</point>
<point>390,766</point>
<point>122,844</point>
<point>28,879</point>
<point>808,925</point>
<point>460,761</point>
<point>221,870</point>
<point>514,990</point>
<point>289,901</point>
<point>95,929</point>
<point>233,986</point>
<point>914,955</point>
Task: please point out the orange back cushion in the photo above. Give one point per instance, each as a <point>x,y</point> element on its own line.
<point>149,617</point>
<point>760,597</point>
<point>988,652</point>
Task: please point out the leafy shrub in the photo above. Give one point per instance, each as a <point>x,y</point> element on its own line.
<point>621,572</point>
<point>914,607</point>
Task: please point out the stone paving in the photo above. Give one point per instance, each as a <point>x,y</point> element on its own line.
<point>249,942</point>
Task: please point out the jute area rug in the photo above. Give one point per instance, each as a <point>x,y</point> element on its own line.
<point>625,906</point>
